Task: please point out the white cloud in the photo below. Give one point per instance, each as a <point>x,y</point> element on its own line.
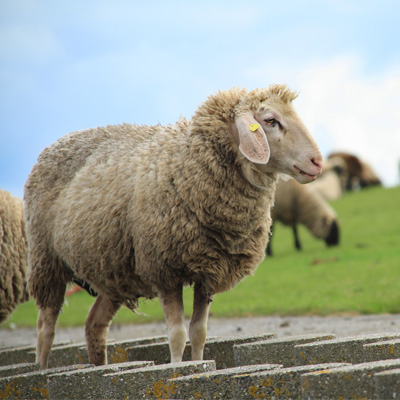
<point>359,114</point>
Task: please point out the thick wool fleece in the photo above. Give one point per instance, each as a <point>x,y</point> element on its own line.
<point>13,254</point>
<point>138,210</point>
<point>302,204</point>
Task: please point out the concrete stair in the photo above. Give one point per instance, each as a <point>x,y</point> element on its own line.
<point>263,366</point>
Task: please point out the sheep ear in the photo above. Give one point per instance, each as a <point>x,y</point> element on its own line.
<point>253,141</point>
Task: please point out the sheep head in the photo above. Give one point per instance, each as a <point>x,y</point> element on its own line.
<point>270,133</point>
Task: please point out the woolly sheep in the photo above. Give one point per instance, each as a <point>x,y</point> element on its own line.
<point>13,254</point>
<point>299,204</point>
<point>141,211</point>
<point>331,184</point>
<point>359,173</point>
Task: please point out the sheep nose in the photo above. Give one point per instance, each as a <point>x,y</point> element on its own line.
<point>318,163</point>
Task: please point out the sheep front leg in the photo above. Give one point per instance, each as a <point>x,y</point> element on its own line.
<point>46,325</point>
<point>172,305</point>
<point>198,323</point>
<point>96,328</point>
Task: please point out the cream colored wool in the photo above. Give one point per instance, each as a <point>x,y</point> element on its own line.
<point>140,211</point>
<point>13,254</point>
<point>303,204</point>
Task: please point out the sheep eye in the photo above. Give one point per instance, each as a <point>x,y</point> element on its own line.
<point>271,121</point>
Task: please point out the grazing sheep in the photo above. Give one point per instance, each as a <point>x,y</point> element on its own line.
<point>299,204</point>
<point>359,173</point>
<point>332,183</point>
<point>140,211</point>
<point>13,254</point>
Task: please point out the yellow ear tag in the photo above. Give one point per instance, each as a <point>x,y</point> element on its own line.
<point>254,127</point>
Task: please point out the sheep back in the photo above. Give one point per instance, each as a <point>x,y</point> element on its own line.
<point>136,210</point>
<point>13,254</point>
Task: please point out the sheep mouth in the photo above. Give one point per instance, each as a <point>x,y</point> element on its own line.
<point>301,172</point>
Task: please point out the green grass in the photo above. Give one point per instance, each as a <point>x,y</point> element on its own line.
<point>359,276</point>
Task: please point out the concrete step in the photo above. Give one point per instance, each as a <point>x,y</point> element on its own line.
<point>84,383</point>
<point>387,384</point>
<point>382,350</point>
<point>218,349</point>
<point>31,385</point>
<point>211,385</point>
<point>117,351</point>
<point>17,369</point>
<point>351,382</point>
<point>283,383</point>
<point>136,379</point>
<point>273,351</point>
<point>21,354</point>
<point>349,349</point>
<point>149,382</point>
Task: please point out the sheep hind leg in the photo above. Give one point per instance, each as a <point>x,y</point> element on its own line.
<point>172,305</point>
<point>198,323</point>
<point>46,325</point>
<point>96,328</point>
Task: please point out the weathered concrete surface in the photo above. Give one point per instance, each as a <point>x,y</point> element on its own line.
<point>283,383</point>
<point>17,369</point>
<point>17,355</point>
<point>211,385</point>
<point>221,349</point>
<point>218,349</point>
<point>117,351</point>
<point>351,382</point>
<point>68,354</point>
<point>150,382</point>
<point>85,383</point>
<point>32,385</point>
<point>274,351</point>
<point>387,384</point>
<point>382,350</point>
<point>338,350</point>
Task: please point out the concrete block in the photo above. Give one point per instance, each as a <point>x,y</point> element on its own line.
<point>283,383</point>
<point>348,349</point>
<point>16,355</point>
<point>150,382</point>
<point>382,350</point>
<point>222,349</point>
<point>387,384</point>
<point>351,382</point>
<point>17,369</point>
<point>21,354</point>
<point>69,354</point>
<point>32,385</point>
<point>84,383</point>
<point>218,349</point>
<point>273,351</point>
<point>117,351</point>
<point>211,385</point>
<point>157,352</point>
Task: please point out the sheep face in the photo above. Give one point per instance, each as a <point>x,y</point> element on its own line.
<point>293,151</point>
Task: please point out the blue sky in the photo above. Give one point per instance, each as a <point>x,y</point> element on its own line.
<point>67,66</point>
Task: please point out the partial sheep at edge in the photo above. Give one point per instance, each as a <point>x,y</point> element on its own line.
<point>13,254</point>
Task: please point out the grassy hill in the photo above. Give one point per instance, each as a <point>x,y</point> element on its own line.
<point>362,275</point>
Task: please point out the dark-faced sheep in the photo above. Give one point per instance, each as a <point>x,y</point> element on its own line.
<point>302,204</point>
<point>13,254</point>
<point>141,211</point>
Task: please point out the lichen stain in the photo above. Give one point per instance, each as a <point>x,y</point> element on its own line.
<point>391,349</point>
<point>42,389</point>
<point>120,355</point>
<point>10,390</point>
<point>253,392</point>
<point>161,389</point>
